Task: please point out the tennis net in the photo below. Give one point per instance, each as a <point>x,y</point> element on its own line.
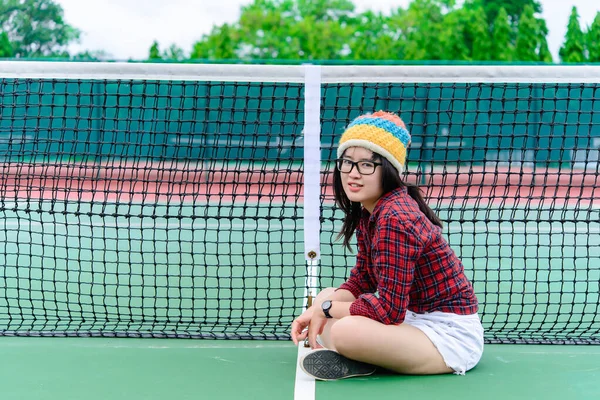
<point>167,200</point>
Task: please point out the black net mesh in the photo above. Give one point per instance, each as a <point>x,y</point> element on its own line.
<point>174,208</point>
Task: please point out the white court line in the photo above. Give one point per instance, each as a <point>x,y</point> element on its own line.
<point>142,343</point>
<point>304,387</point>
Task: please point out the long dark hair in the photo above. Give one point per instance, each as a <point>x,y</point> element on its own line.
<point>390,180</point>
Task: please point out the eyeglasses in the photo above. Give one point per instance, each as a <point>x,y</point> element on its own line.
<point>363,167</point>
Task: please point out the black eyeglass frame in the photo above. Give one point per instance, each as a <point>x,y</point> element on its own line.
<point>339,161</point>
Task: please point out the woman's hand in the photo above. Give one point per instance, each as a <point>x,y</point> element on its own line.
<point>309,324</point>
<point>316,326</point>
<point>300,325</point>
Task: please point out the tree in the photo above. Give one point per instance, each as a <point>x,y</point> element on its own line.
<point>220,44</point>
<point>6,49</point>
<point>174,53</point>
<point>504,17</point>
<point>284,29</point>
<point>332,30</point>
<point>593,40</point>
<point>572,50</point>
<point>478,35</point>
<point>513,9</point>
<point>502,48</point>
<point>452,37</point>
<point>36,28</point>
<point>296,29</point>
<point>464,35</point>
<point>154,52</point>
<point>91,55</point>
<point>378,38</point>
<point>544,54</point>
<point>527,44</point>
<point>423,24</point>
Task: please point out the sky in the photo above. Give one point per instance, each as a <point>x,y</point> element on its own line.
<point>125,29</point>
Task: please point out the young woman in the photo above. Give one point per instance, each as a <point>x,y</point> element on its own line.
<point>407,306</point>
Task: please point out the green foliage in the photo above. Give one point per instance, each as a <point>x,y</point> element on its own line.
<point>377,40</point>
<point>283,29</point>
<point>544,54</point>
<point>36,28</point>
<point>593,40</point>
<point>295,29</point>
<point>528,37</point>
<point>173,53</point>
<point>96,55</point>
<point>154,53</point>
<point>517,34</point>
<point>452,37</point>
<point>421,27</point>
<point>220,44</point>
<point>478,35</point>
<point>475,30</point>
<point>6,49</point>
<point>572,50</point>
<point>502,48</point>
<point>465,35</point>
<point>513,9</point>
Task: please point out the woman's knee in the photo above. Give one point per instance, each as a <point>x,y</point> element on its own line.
<point>347,333</point>
<point>324,294</point>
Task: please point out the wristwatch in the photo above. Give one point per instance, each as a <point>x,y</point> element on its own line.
<point>326,306</point>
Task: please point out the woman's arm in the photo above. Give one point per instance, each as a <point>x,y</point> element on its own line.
<point>341,302</point>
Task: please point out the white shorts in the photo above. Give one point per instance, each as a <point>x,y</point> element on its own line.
<point>458,338</point>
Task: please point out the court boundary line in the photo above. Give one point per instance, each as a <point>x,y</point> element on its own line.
<point>304,386</point>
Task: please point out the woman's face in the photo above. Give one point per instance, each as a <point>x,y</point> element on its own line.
<point>365,189</point>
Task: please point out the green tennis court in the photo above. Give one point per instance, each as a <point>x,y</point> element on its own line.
<point>123,369</point>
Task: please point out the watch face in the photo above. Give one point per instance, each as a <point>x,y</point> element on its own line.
<point>326,306</point>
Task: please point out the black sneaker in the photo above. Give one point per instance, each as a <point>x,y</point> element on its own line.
<point>328,365</point>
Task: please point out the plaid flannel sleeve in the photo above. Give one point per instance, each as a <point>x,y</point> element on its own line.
<point>360,281</point>
<point>395,250</point>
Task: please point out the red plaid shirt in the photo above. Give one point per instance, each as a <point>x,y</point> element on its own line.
<point>405,259</point>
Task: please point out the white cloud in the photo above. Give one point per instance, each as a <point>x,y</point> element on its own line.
<point>127,28</point>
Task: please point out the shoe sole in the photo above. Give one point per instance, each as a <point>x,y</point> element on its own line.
<point>328,365</point>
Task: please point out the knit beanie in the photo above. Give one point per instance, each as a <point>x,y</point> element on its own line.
<point>382,132</point>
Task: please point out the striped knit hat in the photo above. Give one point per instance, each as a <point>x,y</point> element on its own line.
<point>382,132</point>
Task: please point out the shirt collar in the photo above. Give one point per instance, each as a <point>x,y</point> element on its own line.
<point>383,200</point>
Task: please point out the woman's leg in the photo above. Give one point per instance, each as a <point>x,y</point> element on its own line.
<point>400,348</point>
